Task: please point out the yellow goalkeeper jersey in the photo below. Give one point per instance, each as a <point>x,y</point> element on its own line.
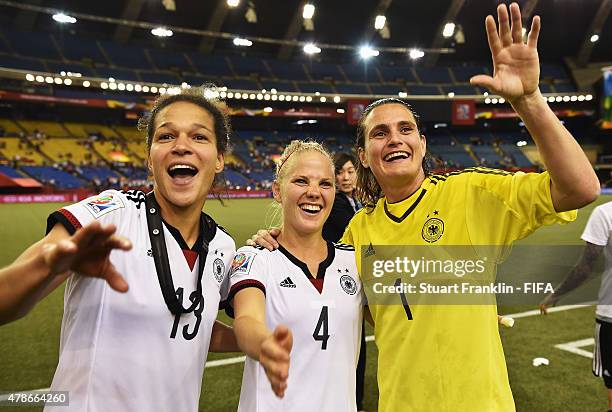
<point>449,357</point>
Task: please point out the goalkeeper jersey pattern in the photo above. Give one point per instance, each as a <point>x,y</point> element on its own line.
<point>449,357</point>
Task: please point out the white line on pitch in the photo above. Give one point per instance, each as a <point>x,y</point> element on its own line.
<point>574,347</point>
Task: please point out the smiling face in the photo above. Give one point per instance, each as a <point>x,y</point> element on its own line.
<point>394,148</point>
<point>306,192</point>
<point>183,157</point>
<point>346,178</point>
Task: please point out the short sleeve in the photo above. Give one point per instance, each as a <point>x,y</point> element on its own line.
<point>248,270</point>
<point>80,214</point>
<point>599,226</point>
<point>517,204</point>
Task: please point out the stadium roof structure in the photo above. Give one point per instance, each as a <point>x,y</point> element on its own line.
<point>568,26</point>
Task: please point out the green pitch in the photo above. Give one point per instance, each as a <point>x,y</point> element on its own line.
<point>29,347</point>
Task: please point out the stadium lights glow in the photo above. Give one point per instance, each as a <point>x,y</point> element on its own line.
<point>323,99</point>
<point>273,91</point>
<point>121,86</point>
<point>237,96</point>
<point>240,42</point>
<point>485,94</point>
<point>30,77</point>
<point>259,96</point>
<point>502,100</point>
<point>403,95</point>
<point>129,87</point>
<point>594,38</point>
<point>266,96</point>
<point>57,80</point>
<point>281,97</point>
<point>487,100</point>
<point>521,143</point>
<point>252,96</point>
<point>336,99</point>
<point>222,94</point>
<point>161,32</point>
<point>566,98</point>
<point>302,99</point>
<point>558,99</point>
<point>451,95</point>
<point>494,100</point>
<point>162,90</point>
<point>230,95</point>
<point>366,52</point>
<point>67,82</point>
<point>295,98</point>
<point>274,97</point>
<point>185,85</point>
<point>449,29</point>
<point>63,18</point>
<point>40,79</point>
<point>310,48</point>
<point>340,110</point>
<point>416,54</point>
<point>379,22</point>
<point>233,3</point>
<point>49,79</point>
<point>588,97</point>
<point>110,79</point>
<point>268,109</point>
<point>112,86</point>
<point>551,99</point>
<point>308,11</point>
<point>104,85</point>
<point>308,99</point>
<point>86,83</point>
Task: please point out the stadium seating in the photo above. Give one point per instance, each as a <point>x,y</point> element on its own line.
<point>54,177</point>
<point>13,149</point>
<point>51,129</point>
<point>9,128</point>
<point>10,172</point>
<point>68,149</point>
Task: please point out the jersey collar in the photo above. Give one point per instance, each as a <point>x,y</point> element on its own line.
<point>322,266</point>
<point>398,211</point>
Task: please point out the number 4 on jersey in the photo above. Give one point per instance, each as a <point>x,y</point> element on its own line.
<point>321,331</point>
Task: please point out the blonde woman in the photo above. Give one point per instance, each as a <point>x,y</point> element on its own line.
<point>303,299</point>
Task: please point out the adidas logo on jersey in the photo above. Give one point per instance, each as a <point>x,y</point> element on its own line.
<point>287,283</point>
<point>369,251</point>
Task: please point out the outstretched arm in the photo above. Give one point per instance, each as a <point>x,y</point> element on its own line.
<point>223,338</point>
<point>576,277</point>
<point>47,263</point>
<point>271,349</point>
<point>516,76</point>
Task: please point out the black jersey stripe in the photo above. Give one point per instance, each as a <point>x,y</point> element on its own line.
<point>343,246</point>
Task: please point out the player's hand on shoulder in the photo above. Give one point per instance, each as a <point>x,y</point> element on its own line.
<point>275,358</point>
<point>265,238</point>
<point>87,252</point>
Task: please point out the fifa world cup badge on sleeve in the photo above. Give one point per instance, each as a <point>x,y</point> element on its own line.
<point>102,204</point>
<point>242,262</point>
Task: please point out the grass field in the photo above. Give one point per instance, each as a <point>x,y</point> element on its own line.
<point>29,347</point>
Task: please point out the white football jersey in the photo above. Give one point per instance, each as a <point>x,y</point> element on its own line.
<point>127,351</point>
<point>598,231</point>
<point>323,313</point>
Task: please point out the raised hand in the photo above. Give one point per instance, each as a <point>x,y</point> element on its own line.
<point>516,66</point>
<point>87,252</point>
<point>275,357</point>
